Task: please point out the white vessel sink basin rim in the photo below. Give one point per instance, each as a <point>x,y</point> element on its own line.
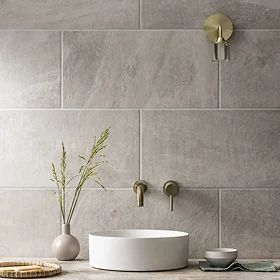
<point>139,250</point>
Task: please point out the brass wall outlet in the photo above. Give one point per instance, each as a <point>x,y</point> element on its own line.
<point>140,187</point>
<point>218,29</point>
<point>217,22</point>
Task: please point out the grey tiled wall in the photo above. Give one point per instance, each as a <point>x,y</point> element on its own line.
<point>68,69</point>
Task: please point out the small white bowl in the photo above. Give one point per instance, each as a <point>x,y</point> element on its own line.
<point>221,257</point>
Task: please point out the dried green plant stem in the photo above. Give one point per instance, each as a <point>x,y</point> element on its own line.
<point>86,172</point>
<point>63,180</point>
<point>55,179</point>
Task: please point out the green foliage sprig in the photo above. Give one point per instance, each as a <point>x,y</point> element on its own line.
<point>87,171</point>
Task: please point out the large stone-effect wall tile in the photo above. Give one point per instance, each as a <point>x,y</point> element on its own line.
<point>195,212</point>
<point>144,69</point>
<point>251,78</point>
<point>29,221</point>
<point>250,222</point>
<point>29,69</point>
<point>191,14</point>
<point>212,149</point>
<point>31,140</point>
<point>74,14</point>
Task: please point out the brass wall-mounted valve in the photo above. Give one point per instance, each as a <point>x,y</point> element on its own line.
<point>219,29</point>
<point>170,188</point>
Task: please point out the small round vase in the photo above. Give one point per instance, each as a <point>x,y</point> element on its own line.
<point>66,247</point>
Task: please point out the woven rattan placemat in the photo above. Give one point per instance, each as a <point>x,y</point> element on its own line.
<point>49,269</point>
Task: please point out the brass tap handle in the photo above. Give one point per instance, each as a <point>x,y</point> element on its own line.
<point>227,51</point>
<point>215,52</point>
<point>171,202</point>
<point>170,188</point>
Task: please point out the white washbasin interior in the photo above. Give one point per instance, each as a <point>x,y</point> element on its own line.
<point>143,233</point>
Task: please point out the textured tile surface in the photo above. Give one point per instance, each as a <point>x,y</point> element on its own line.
<point>195,212</point>
<point>232,149</point>
<point>31,140</point>
<point>128,69</point>
<point>251,78</point>
<point>74,14</point>
<point>250,222</point>
<point>30,69</point>
<point>29,223</point>
<point>188,14</point>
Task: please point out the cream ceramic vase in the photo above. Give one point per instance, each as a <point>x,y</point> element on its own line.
<point>66,247</point>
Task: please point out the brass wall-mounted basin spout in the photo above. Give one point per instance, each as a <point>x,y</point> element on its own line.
<point>140,188</point>
<point>218,29</point>
<point>220,38</point>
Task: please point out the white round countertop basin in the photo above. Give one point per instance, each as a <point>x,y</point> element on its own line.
<point>139,250</point>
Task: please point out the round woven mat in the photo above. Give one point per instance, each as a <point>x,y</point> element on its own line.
<point>49,269</point>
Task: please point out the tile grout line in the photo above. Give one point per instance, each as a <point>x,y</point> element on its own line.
<point>140,11</point>
<point>219,88</point>
<point>131,29</point>
<point>220,219</point>
<point>61,70</point>
<point>140,144</point>
<point>129,188</point>
<point>137,109</point>
<point>28,188</point>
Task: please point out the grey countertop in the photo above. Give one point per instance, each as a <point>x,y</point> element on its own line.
<point>80,269</point>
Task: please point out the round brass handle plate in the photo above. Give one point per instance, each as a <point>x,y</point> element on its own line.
<point>211,26</point>
<point>170,188</point>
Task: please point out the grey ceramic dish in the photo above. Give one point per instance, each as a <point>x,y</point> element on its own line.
<point>221,257</point>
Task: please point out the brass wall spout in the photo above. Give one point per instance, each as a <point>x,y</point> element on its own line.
<point>218,29</point>
<point>140,188</point>
<point>220,38</point>
<point>140,195</point>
